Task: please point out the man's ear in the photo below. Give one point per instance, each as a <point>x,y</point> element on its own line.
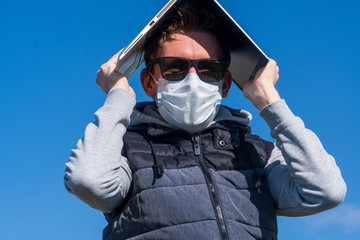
<point>226,84</point>
<point>148,83</point>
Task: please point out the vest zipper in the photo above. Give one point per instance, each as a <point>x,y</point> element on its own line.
<point>211,187</point>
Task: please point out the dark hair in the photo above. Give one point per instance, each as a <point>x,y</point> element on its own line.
<point>188,17</point>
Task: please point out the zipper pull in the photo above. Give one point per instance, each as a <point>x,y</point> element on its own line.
<point>196,140</point>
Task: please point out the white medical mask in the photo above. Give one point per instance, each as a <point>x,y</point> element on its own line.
<point>190,104</point>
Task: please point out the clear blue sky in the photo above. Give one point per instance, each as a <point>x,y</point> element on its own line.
<point>50,52</point>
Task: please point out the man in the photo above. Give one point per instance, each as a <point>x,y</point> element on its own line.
<point>186,167</point>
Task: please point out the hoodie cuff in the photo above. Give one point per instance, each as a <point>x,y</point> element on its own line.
<point>276,113</point>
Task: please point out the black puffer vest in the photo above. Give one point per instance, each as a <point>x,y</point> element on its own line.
<point>208,186</point>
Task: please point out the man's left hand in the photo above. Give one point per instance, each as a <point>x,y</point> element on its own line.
<point>261,90</point>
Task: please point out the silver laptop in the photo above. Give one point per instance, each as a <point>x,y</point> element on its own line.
<point>246,56</point>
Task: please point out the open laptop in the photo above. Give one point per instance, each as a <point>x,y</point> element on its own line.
<point>246,56</point>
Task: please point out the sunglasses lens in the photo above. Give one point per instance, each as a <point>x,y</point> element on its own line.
<point>174,69</point>
<point>211,70</point>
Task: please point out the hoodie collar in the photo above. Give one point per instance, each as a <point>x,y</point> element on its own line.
<point>147,113</point>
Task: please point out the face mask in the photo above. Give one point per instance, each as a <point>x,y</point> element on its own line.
<point>190,104</point>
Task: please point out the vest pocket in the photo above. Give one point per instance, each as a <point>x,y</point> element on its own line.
<point>226,140</point>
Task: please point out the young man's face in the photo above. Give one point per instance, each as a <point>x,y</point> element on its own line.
<point>191,45</point>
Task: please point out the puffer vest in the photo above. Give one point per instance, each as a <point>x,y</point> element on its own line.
<point>205,186</point>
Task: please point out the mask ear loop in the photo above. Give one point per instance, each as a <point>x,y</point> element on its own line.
<point>154,78</point>
<point>156,95</point>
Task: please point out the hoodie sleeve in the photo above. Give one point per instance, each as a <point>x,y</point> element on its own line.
<point>96,172</point>
<point>304,179</point>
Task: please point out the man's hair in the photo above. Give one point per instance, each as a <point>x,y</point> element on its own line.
<point>188,17</point>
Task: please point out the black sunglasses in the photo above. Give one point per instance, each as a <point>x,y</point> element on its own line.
<point>176,68</point>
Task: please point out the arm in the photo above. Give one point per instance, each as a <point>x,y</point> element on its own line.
<point>96,172</point>
<point>304,179</point>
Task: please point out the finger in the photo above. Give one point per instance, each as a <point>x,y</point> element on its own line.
<point>106,69</point>
<point>272,62</point>
<point>114,58</point>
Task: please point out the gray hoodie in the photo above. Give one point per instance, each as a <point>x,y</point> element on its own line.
<point>303,178</point>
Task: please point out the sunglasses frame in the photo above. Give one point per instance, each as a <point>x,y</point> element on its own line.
<point>191,62</point>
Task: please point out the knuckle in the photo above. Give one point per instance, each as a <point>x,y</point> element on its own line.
<point>103,67</point>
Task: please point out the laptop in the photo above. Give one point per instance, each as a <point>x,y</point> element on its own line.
<point>246,57</point>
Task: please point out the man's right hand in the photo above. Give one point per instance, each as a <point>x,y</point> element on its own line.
<point>108,79</point>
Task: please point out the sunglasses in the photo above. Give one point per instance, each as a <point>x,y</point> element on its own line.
<point>176,68</point>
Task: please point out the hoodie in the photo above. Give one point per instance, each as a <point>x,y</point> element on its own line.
<point>303,178</point>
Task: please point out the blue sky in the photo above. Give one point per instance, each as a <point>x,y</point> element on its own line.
<point>49,55</point>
